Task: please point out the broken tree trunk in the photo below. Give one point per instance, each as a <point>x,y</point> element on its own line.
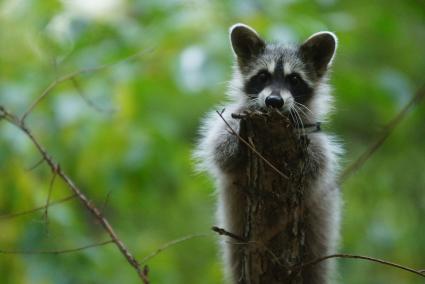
<point>274,216</point>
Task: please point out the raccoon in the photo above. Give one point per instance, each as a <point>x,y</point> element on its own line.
<point>290,79</point>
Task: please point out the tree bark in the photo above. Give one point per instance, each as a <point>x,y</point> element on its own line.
<point>274,216</point>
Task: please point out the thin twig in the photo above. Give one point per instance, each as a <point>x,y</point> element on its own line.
<point>33,167</point>
<point>105,202</point>
<point>49,194</point>
<point>352,256</point>
<point>62,251</point>
<point>47,91</point>
<point>55,168</point>
<point>89,102</point>
<point>388,129</point>
<point>26,212</point>
<point>223,232</point>
<point>75,74</point>
<point>172,243</point>
<point>251,147</point>
<point>242,241</point>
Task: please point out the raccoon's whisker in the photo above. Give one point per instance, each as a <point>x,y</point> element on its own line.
<point>305,108</point>
<point>304,114</point>
<point>301,127</point>
<point>296,121</point>
<point>253,101</point>
<point>292,117</point>
<point>300,120</point>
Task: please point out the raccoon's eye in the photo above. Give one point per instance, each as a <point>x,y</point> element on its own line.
<point>294,79</point>
<point>262,77</point>
<point>258,82</point>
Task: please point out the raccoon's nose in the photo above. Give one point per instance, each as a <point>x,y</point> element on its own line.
<point>275,101</point>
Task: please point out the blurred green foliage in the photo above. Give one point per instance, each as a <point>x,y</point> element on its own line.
<point>137,150</point>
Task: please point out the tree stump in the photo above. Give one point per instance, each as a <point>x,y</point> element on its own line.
<point>274,217</point>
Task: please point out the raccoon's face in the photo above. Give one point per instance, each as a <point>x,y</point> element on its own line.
<point>281,77</point>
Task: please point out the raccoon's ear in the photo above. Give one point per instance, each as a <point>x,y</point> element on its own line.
<point>246,42</point>
<point>319,49</point>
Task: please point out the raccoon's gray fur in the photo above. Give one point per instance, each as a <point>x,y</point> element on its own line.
<point>291,79</point>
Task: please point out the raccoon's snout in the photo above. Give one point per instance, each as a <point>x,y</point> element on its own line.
<point>274,101</point>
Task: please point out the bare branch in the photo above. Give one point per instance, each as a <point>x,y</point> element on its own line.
<point>388,129</point>
<point>372,259</point>
<point>19,123</point>
<point>250,146</point>
<point>172,243</point>
<point>62,251</point>
<point>26,212</point>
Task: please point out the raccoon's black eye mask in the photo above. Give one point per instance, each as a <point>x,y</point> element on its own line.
<point>293,82</point>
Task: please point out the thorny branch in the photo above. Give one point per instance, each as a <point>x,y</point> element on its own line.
<point>56,170</point>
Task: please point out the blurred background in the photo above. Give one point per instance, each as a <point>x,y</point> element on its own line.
<point>165,64</point>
